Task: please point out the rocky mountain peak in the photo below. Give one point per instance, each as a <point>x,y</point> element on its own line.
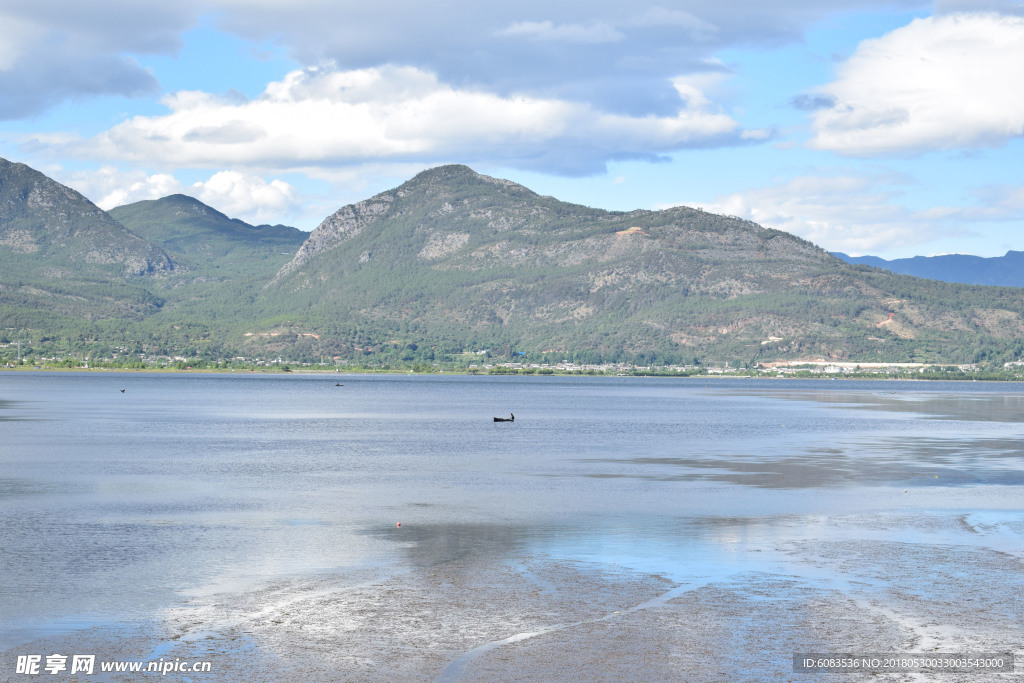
<point>40,216</point>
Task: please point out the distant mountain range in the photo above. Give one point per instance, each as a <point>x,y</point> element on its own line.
<point>1002,271</point>
<point>453,261</point>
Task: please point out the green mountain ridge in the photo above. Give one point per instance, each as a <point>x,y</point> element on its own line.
<point>50,223</point>
<point>198,236</point>
<point>62,256</point>
<point>453,261</point>
<point>220,261</point>
<point>453,255</point>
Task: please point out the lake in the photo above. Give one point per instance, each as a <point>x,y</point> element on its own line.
<point>283,527</point>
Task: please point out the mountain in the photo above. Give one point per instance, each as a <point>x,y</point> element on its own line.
<point>221,263</point>
<point>53,224</point>
<point>453,263</point>
<point>460,260</point>
<point>205,241</point>
<point>60,254</point>
<point>1002,271</point>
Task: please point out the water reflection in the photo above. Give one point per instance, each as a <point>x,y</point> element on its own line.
<point>427,545</point>
<point>974,402</point>
<point>7,411</point>
<point>259,477</point>
<point>887,461</point>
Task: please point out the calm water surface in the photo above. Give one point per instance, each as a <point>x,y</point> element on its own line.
<point>116,504</point>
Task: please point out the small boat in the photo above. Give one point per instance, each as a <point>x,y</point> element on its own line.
<point>512,418</point>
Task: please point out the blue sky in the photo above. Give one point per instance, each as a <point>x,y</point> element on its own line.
<point>888,128</point>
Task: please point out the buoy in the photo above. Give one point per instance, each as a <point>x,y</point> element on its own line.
<point>399,525</point>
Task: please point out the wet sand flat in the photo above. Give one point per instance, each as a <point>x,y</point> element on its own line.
<point>494,617</point>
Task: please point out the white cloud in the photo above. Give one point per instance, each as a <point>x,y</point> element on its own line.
<point>841,211</point>
<point>996,203</point>
<point>152,187</point>
<point>661,17</point>
<point>250,198</point>
<point>944,82</point>
<point>612,55</point>
<point>567,33</point>
<point>597,51</point>
<point>325,116</point>
<point>16,36</point>
<point>237,195</point>
<point>110,186</point>
<point>692,88</point>
<point>1001,6</point>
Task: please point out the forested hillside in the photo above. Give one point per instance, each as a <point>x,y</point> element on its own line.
<point>63,259</point>
<point>453,263</point>
<point>476,262</point>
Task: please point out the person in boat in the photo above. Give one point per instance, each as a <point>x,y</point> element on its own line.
<point>511,418</point>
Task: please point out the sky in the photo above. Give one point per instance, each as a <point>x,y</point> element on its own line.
<point>888,128</point>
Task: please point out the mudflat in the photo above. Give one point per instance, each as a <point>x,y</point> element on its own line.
<point>466,611</point>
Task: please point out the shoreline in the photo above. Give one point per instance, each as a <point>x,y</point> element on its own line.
<point>870,377</point>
